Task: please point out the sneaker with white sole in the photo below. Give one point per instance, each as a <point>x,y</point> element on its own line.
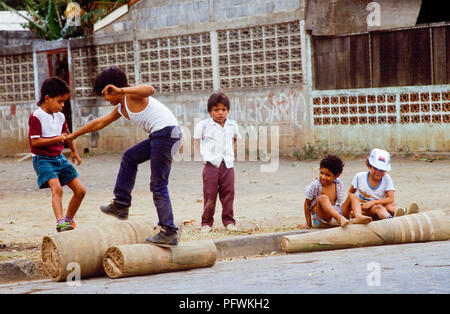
<point>116,209</point>
<point>231,228</point>
<point>164,238</point>
<point>206,229</point>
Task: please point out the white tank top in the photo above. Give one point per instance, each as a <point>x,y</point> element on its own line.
<point>153,118</point>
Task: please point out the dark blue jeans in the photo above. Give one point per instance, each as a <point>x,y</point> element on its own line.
<point>158,148</point>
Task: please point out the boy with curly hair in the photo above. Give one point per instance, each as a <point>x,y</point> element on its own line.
<point>136,104</point>
<point>324,197</point>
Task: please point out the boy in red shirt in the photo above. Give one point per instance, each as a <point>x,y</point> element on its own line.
<point>47,133</point>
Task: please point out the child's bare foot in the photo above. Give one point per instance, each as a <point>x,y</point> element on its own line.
<point>343,221</point>
<point>361,220</point>
<point>400,211</point>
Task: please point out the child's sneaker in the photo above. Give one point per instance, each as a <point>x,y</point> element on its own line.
<point>164,238</point>
<point>413,208</point>
<point>65,226</point>
<point>116,210</point>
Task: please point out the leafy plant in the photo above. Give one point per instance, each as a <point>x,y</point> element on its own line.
<point>50,20</point>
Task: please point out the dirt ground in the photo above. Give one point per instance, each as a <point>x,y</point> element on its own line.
<point>264,202</point>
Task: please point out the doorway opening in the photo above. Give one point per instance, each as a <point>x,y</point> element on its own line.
<point>58,65</point>
<point>432,12</point>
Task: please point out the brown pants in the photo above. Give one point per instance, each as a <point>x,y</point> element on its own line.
<point>218,180</point>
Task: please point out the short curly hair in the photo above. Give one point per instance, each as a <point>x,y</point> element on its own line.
<point>332,163</point>
<point>113,75</point>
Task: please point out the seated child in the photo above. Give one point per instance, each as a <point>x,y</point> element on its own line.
<point>324,196</point>
<point>373,191</point>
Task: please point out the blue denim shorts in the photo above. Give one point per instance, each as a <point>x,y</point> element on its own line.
<point>320,223</point>
<point>48,168</point>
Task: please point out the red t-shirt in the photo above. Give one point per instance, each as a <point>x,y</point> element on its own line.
<point>45,125</point>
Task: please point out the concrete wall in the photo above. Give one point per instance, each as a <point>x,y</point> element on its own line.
<point>16,38</point>
<point>149,15</point>
<point>14,128</point>
<point>400,119</point>
<point>273,91</point>
<point>282,105</point>
<point>327,18</point>
<point>260,110</point>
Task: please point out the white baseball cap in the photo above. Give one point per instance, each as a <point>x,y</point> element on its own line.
<point>380,159</point>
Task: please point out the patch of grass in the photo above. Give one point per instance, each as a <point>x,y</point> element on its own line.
<point>191,232</point>
<point>31,254</point>
<point>311,152</point>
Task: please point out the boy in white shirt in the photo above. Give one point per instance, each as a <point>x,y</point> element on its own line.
<point>373,191</point>
<point>214,138</point>
<point>136,104</point>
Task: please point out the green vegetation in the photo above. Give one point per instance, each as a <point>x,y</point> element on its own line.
<point>55,19</point>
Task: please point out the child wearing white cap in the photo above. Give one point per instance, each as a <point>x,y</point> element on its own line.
<point>374,190</point>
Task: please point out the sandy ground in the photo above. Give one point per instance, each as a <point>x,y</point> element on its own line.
<point>264,202</point>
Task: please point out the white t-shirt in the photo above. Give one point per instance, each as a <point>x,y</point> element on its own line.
<point>216,141</point>
<point>366,192</point>
<point>153,118</point>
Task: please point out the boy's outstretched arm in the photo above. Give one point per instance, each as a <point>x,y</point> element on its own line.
<point>96,124</point>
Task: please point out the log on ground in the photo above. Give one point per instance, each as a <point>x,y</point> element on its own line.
<point>83,249</point>
<point>427,226</point>
<point>144,259</point>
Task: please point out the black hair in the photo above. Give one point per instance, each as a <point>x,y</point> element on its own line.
<point>217,98</point>
<point>53,86</point>
<point>332,163</point>
<point>113,75</point>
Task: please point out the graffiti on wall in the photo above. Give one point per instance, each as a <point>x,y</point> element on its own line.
<point>270,109</point>
<point>282,108</point>
<point>84,115</point>
<point>273,108</point>
<point>14,121</point>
